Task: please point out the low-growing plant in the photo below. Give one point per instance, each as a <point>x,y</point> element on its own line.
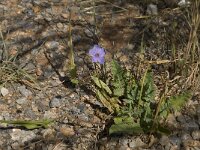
<point>132,100</point>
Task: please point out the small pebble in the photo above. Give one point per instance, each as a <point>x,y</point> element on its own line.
<point>164,140</point>
<point>59,25</point>
<point>196,135</point>
<point>152,9</point>
<point>66,131</point>
<point>24,91</point>
<point>136,143</point>
<point>51,44</point>
<point>175,140</point>
<point>185,137</point>
<point>65,15</point>
<point>4,91</point>
<point>191,126</point>
<point>50,115</point>
<point>55,102</point>
<point>22,101</point>
<point>22,136</point>
<point>15,146</point>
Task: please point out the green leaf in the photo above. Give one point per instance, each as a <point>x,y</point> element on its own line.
<point>164,109</point>
<point>149,88</point>
<point>73,75</point>
<point>118,91</point>
<point>29,124</point>
<point>119,79</point>
<point>163,130</point>
<point>101,84</point>
<point>125,125</point>
<point>104,100</point>
<point>178,101</point>
<point>115,103</point>
<point>123,119</point>
<point>116,69</point>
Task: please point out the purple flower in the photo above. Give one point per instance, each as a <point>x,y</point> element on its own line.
<point>97,53</point>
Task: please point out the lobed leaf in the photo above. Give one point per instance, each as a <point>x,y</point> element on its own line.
<point>101,84</point>
<point>119,79</point>
<point>104,100</point>
<point>149,89</point>
<point>125,125</point>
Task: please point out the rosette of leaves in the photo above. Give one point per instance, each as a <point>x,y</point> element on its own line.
<point>133,102</point>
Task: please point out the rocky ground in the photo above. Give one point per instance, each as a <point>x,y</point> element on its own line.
<point>36,31</point>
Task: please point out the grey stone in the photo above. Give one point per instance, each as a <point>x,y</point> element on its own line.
<point>83,117</point>
<point>124,141</point>
<point>191,126</point>
<point>30,13</point>
<point>48,133</point>
<point>89,33</point>
<point>22,136</point>
<point>74,110</point>
<point>198,110</point>
<point>59,25</point>
<point>22,101</point>
<point>5,115</point>
<point>81,107</point>
<point>152,9</point>
<point>30,66</point>
<point>185,137</point>
<point>42,105</point>
<point>168,146</point>
<point>51,44</point>
<point>15,146</point>
<point>136,143</point>
<point>164,140</point>
<point>196,135</point>
<point>4,91</point>
<point>55,102</point>
<point>30,114</point>
<point>76,38</point>
<point>183,2</point>
<point>181,119</point>
<point>24,91</point>
<point>50,115</point>
<point>48,72</point>
<point>175,140</point>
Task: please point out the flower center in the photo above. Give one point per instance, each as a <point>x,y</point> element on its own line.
<point>97,55</point>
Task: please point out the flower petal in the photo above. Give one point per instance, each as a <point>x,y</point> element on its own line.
<point>97,53</point>
<point>101,60</point>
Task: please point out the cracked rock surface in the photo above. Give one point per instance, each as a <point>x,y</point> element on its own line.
<point>37,31</point>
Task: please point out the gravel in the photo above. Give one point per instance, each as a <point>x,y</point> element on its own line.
<point>22,101</point>
<point>196,135</point>
<point>55,102</point>
<point>38,31</point>
<point>24,91</point>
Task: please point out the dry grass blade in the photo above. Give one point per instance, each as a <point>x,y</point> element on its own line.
<point>192,48</point>
<point>10,73</point>
<point>5,53</point>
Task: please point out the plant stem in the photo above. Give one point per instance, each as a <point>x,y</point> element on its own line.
<point>162,99</point>
<point>142,86</point>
